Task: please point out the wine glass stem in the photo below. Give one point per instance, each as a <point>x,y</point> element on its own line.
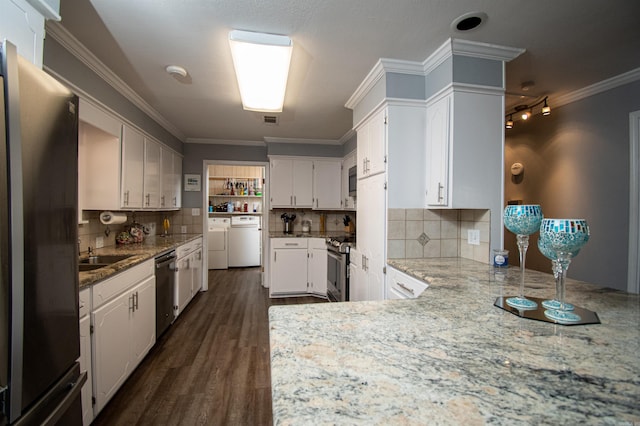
<point>523,245</point>
<point>564,259</point>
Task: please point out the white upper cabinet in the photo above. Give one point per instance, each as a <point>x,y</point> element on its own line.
<point>327,184</point>
<point>133,157</point>
<point>372,139</point>
<point>99,142</point>
<point>437,146</point>
<point>151,179</point>
<point>464,149</point>
<point>121,169</point>
<point>291,182</point>
<point>23,25</point>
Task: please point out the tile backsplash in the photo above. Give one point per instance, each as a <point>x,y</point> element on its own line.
<point>333,219</point>
<point>423,233</point>
<point>89,232</point>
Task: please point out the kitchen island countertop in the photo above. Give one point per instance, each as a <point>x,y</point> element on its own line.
<point>451,357</point>
<point>149,249</point>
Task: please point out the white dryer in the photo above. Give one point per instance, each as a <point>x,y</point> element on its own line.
<point>218,242</point>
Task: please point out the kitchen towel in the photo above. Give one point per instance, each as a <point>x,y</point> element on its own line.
<point>111,218</point>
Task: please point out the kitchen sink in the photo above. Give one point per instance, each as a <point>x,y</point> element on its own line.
<point>84,267</point>
<point>104,260</point>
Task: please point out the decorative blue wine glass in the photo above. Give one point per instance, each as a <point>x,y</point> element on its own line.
<point>566,237</point>
<point>550,254</point>
<point>522,220</point>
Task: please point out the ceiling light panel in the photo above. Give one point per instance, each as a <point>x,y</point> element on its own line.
<point>262,63</point>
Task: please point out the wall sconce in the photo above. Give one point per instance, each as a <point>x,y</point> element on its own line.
<point>526,111</point>
<point>262,63</point>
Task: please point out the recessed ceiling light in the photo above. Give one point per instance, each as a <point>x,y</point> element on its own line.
<point>469,21</point>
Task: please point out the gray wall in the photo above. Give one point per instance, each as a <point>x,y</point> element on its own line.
<point>59,60</point>
<point>576,165</point>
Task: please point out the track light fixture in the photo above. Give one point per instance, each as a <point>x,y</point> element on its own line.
<point>526,111</point>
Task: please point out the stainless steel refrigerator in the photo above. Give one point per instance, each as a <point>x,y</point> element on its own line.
<point>40,378</point>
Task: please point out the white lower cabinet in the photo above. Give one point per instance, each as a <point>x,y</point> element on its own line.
<point>123,318</point>
<point>85,355</point>
<point>188,274</point>
<point>403,286</point>
<point>298,266</point>
<point>317,266</point>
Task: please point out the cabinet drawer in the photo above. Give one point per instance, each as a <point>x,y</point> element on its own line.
<point>85,301</point>
<point>401,285</point>
<point>109,288</point>
<point>196,244</point>
<point>184,250</point>
<point>289,243</point>
<point>317,243</point>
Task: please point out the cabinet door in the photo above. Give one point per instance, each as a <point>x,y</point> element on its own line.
<point>85,365</point>
<point>376,226</point>
<point>168,179</point>
<point>377,143</point>
<point>143,324</point>
<point>437,151</point>
<point>288,271</point>
<point>302,180</point>
<point>176,202</point>
<point>327,185</point>
<point>363,150</point>
<point>24,26</point>
<point>358,279</point>
<point>132,168</point>
<point>183,287</point>
<point>281,182</point>
<point>196,269</point>
<point>317,270</point>
<point>151,181</point>
<point>111,348</point>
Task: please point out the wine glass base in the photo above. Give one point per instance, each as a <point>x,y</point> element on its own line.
<point>521,303</point>
<point>554,305</point>
<point>562,316</point>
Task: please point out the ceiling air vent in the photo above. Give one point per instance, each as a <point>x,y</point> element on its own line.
<point>270,119</point>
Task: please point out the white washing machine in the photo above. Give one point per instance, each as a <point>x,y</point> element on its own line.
<point>245,241</point>
<point>218,242</point>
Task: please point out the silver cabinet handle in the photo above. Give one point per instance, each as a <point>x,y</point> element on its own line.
<point>135,301</point>
<point>132,305</point>
<point>126,198</point>
<point>291,199</point>
<point>175,201</point>
<point>405,288</point>
<point>440,188</point>
<point>275,256</point>
<point>162,201</point>
<point>148,197</point>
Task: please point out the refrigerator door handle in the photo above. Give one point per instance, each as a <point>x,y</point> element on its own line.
<point>67,386</point>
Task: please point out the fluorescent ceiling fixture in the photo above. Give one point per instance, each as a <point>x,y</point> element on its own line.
<point>262,67</point>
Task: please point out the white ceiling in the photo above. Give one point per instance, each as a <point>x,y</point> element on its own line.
<point>570,44</point>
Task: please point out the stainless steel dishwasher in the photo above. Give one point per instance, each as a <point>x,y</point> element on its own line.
<point>165,279</point>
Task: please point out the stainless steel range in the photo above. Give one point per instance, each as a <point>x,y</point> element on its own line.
<point>338,248</point>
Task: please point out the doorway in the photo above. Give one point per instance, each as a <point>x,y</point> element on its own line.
<point>234,197</point>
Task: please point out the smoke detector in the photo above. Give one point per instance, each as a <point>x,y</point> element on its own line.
<point>176,71</point>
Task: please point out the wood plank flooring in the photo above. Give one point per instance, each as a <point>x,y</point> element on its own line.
<point>211,367</point>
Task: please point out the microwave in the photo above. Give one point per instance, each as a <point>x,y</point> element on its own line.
<point>353,181</point>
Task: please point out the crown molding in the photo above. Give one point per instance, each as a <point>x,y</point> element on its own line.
<point>84,55</point>
<point>347,136</point>
<point>485,50</point>
<point>594,89</point>
<point>209,141</point>
<point>269,140</point>
<point>383,66</point>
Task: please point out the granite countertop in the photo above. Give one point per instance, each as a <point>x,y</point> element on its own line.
<point>150,248</point>
<point>451,357</point>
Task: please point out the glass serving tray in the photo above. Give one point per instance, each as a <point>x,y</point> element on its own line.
<point>586,316</point>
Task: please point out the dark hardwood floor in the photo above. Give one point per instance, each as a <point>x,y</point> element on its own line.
<point>212,366</point>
